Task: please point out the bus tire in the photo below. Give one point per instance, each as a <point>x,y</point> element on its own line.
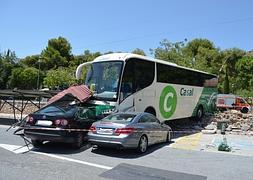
<point>150,110</point>
<point>199,114</point>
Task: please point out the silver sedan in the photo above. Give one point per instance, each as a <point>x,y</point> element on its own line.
<point>129,130</point>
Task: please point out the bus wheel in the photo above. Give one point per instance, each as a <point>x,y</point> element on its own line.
<point>150,110</point>
<point>200,113</point>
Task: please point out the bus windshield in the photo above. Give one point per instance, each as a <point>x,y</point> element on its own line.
<point>103,79</point>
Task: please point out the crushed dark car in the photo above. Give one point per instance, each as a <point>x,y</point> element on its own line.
<point>66,118</point>
<point>57,124</point>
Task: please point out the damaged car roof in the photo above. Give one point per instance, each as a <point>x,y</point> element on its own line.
<point>80,92</point>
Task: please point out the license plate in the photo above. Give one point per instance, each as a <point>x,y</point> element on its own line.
<point>105,131</point>
<point>44,123</point>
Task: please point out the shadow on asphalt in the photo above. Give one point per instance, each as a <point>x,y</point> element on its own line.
<point>185,127</point>
<point>180,128</point>
<point>126,153</point>
<point>60,148</point>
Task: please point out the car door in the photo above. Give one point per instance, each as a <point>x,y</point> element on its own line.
<point>145,126</point>
<point>159,134</point>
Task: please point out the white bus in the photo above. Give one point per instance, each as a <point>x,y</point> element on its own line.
<point>130,82</point>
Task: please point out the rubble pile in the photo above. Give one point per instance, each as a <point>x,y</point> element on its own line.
<point>235,122</point>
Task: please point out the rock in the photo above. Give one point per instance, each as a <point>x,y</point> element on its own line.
<point>229,128</point>
<point>214,123</point>
<point>206,131</point>
<point>237,124</point>
<point>218,131</point>
<point>245,127</point>
<point>250,133</point>
<point>236,130</point>
<point>234,111</point>
<point>197,127</point>
<point>234,127</point>
<point>250,121</point>
<point>211,127</point>
<point>245,116</point>
<point>239,115</point>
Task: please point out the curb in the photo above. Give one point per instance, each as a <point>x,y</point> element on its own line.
<point>7,121</point>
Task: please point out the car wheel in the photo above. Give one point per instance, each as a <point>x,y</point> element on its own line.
<point>37,143</point>
<point>200,113</point>
<point>244,110</point>
<point>143,144</point>
<point>168,138</point>
<point>79,141</point>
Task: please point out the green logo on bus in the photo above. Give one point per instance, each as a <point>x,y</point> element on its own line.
<point>168,102</point>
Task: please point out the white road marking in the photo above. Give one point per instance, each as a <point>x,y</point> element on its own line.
<point>74,160</point>
<point>213,140</point>
<point>14,148</point>
<point>19,149</point>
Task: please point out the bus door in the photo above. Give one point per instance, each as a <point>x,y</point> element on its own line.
<point>138,75</point>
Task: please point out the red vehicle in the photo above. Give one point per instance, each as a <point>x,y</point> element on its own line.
<point>231,101</point>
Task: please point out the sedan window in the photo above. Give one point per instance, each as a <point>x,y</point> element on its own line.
<point>55,110</point>
<point>153,119</point>
<point>50,109</point>
<point>120,118</point>
<point>147,119</point>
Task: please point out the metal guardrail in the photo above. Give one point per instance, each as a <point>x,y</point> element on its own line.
<point>18,99</point>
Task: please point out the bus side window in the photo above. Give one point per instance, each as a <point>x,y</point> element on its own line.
<point>144,72</point>
<point>137,75</point>
<point>127,80</point>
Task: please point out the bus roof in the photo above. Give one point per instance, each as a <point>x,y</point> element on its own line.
<point>125,56</point>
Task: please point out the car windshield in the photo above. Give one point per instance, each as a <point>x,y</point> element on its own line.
<point>55,110</point>
<point>120,118</point>
<point>103,79</point>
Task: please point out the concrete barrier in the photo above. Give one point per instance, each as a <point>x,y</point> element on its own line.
<point>8,119</point>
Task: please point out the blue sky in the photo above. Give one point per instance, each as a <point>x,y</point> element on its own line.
<point>117,25</point>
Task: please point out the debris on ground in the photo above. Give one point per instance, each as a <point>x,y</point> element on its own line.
<point>223,146</point>
<point>231,121</point>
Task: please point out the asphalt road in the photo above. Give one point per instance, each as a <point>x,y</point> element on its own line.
<point>59,161</point>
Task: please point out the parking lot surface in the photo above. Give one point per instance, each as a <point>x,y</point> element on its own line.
<point>162,161</point>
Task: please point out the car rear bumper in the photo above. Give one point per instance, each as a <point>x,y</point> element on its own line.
<point>113,141</point>
<point>53,135</point>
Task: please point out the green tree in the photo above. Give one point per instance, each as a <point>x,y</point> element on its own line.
<point>244,78</point>
<point>24,78</point>
<point>7,63</point>
<point>30,61</point>
<point>60,78</point>
<point>201,54</point>
<point>226,83</point>
<point>57,54</point>
<point>139,52</point>
<point>86,57</point>
<point>169,51</point>
<point>229,60</point>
